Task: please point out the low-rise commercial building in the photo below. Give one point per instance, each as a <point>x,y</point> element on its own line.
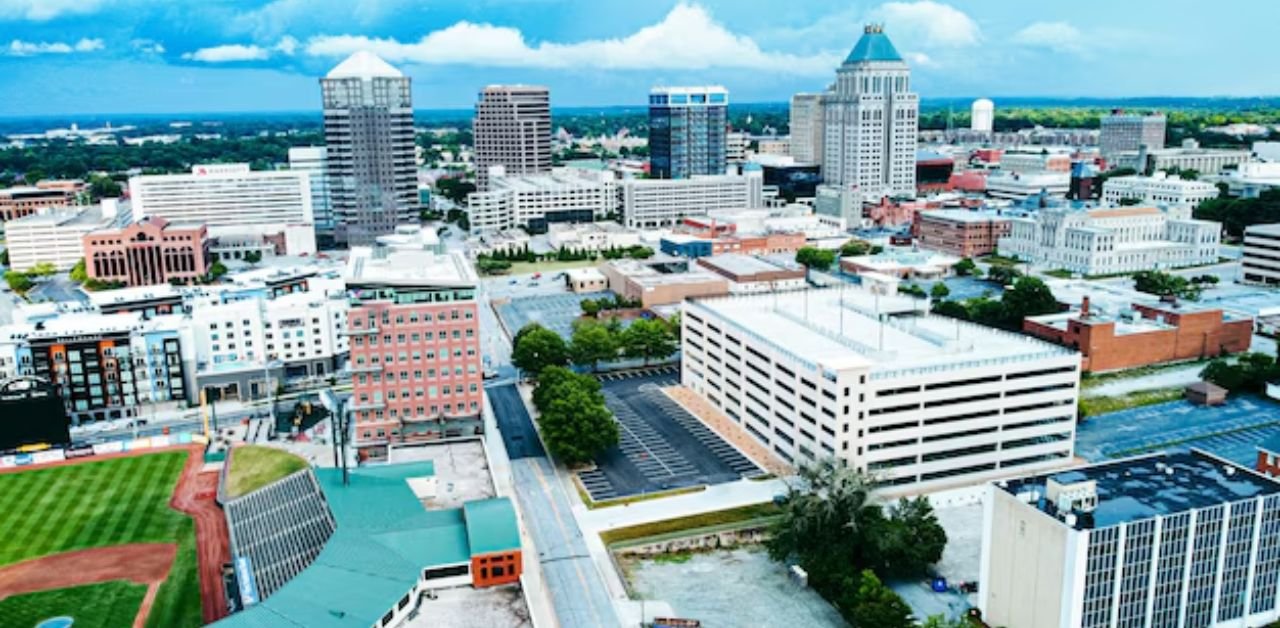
<point>55,236</point>
<point>582,280</point>
<point>1108,241</point>
<point>1189,157</point>
<point>1018,186</point>
<point>414,330</point>
<point>17,202</point>
<point>1170,539</point>
<point>1040,160</point>
<point>1260,259</point>
<point>1158,188</point>
<point>661,283</point>
<point>1143,335</point>
<point>684,245</point>
<point>747,273</point>
<point>959,232</point>
<point>150,251</point>
<point>596,236</point>
<point>873,380</point>
<point>1251,179</point>
<point>901,263</point>
<point>536,201</point>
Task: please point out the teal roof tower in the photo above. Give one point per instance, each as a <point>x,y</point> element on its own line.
<point>874,45</point>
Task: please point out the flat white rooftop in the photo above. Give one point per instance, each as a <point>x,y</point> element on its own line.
<point>408,268</point>
<point>854,328</point>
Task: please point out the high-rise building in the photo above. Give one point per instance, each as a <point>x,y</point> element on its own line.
<point>687,128</point>
<point>1167,539</point>
<point>806,128</point>
<point>871,122</point>
<point>368,131</point>
<point>982,116</point>
<point>414,329</point>
<point>512,129</point>
<point>313,160</point>
<point>1128,131</point>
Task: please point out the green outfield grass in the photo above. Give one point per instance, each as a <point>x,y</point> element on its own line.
<point>102,605</point>
<point>255,466</point>
<point>99,504</point>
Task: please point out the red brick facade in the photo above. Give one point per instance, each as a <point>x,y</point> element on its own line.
<point>1268,463</point>
<point>1191,336</point>
<point>488,570</point>
<point>961,237</point>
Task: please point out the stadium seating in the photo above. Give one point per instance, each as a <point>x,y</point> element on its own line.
<point>281,528</point>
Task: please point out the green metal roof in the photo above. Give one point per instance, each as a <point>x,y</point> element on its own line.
<point>491,525</point>
<point>873,46</point>
<point>384,538</point>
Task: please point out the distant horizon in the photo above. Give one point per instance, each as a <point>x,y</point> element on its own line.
<point>1046,101</point>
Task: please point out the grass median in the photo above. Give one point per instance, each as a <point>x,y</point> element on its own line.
<point>717,519</point>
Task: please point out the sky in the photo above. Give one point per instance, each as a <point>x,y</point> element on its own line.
<point>181,56</point>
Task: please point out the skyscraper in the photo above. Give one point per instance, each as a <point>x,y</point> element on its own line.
<point>871,122</point>
<point>806,128</point>
<point>1128,131</point>
<point>313,160</point>
<point>512,129</point>
<point>368,130</point>
<point>687,127</point>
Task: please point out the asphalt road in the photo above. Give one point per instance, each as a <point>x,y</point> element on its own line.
<point>514,423</point>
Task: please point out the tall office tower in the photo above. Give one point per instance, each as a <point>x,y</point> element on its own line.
<point>313,160</point>
<point>368,130</point>
<point>687,128</point>
<point>982,116</point>
<point>871,122</point>
<point>806,128</point>
<point>512,129</point>
<point>1128,131</point>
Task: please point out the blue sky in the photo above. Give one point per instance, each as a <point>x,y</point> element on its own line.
<point>155,56</point>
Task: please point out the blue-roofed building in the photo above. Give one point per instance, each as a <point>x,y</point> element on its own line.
<point>1269,453</point>
<point>1168,539</point>
<point>386,550</point>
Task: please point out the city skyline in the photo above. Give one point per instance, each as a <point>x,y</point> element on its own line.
<point>248,56</point>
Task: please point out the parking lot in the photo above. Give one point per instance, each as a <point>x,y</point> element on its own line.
<point>555,311</point>
<point>661,446</point>
<point>1230,431</point>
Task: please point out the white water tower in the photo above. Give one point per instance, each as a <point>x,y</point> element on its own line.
<point>982,115</point>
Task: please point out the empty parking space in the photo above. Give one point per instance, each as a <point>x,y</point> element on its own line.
<point>660,445</point>
<point>1230,431</point>
<point>555,311</point>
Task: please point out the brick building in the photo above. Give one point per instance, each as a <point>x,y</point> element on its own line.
<point>959,232</point>
<point>1269,457</point>
<point>657,283</point>
<point>415,347</point>
<point>17,202</point>
<point>151,251</point>
<point>1144,335</point>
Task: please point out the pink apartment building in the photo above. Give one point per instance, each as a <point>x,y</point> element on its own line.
<point>416,362</point>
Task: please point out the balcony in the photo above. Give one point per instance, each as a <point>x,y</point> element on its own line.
<point>357,406</point>
<point>362,331</point>
<point>367,368</point>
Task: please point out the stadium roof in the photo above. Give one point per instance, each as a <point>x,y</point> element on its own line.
<point>384,539</point>
<point>874,45</point>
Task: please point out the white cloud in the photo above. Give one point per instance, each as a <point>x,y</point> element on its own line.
<point>1055,36</point>
<point>19,48</point>
<point>929,23</point>
<point>920,60</point>
<point>687,38</point>
<point>231,53</point>
<point>147,46</point>
<point>44,10</point>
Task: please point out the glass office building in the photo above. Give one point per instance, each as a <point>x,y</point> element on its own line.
<point>687,128</point>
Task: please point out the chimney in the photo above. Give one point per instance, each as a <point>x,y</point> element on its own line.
<point>1084,307</point>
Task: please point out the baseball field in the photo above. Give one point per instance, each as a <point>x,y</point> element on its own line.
<point>99,542</point>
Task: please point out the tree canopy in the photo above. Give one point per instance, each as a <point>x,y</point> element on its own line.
<point>815,258</point>
<point>648,339</point>
<point>535,348</point>
<point>592,343</point>
<point>576,424</point>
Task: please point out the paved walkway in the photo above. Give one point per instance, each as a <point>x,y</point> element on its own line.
<point>728,430</point>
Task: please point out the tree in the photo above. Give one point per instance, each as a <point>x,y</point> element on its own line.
<point>576,424</point>
<point>966,267</point>
<point>104,187</point>
<point>640,252</point>
<point>591,343</point>
<point>939,291</point>
<point>590,307</point>
<point>909,540</point>
<point>18,282</point>
<point>4,257</point>
<point>1002,274</point>
<point>78,272</point>
<point>1165,284</point>
<point>952,309</point>
<point>252,257</point>
<point>815,258</point>
<point>42,269</point>
<point>1028,297</point>
<point>217,270</point>
<point>822,522</point>
<point>1224,374</point>
<point>871,604</point>
<point>647,339</point>
<point>535,347</point>
<point>855,248</point>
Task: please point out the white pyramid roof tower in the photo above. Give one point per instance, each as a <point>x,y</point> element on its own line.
<point>364,65</point>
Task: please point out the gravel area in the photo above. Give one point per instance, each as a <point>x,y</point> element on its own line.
<point>731,588</point>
